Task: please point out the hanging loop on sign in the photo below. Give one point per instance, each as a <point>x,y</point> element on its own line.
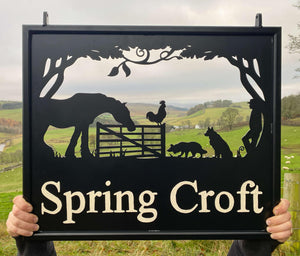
<point>45,18</point>
<point>258,20</point>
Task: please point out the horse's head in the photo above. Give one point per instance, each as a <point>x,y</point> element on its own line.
<point>122,115</point>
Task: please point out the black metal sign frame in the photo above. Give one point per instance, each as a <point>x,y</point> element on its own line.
<point>146,193</point>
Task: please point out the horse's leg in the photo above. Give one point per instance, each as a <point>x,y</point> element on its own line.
<point>70,152</point>
<point>45,149</point>
<point>85,151</point>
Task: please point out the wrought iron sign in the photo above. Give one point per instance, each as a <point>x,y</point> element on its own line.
<point>105,155</point>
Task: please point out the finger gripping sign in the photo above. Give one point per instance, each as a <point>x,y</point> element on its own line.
<point>151,132</point>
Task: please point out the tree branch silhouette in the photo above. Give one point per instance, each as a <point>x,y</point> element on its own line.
<point>53,70</point>
<point>145,61</point>
<point>243,75</point>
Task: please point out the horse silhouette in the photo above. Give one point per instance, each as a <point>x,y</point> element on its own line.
<point>80,111</point>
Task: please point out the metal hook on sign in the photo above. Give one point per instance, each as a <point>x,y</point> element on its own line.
<point>45,18</point>
<point>258,20</point>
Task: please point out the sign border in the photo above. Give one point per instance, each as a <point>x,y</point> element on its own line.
<point>30,30</point>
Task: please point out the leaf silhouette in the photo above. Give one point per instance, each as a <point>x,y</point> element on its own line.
<point>126,69</point>
<point>114,71</point>
<point>94,57</point>
<point>210,56</point>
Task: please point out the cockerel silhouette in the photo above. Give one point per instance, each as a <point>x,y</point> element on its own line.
<point>161,114</point>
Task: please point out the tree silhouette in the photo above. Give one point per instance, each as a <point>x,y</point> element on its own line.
<point>250,54</point>
<point>250,61</point>
<point>254,62</point>
<point>54,54</point>
<point>60,52</point>
<point>68,48</point>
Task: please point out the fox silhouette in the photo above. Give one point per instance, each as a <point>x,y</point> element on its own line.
<point>219,145</point>
<point>186,147</point>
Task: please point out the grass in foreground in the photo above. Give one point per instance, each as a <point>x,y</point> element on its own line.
<point>153,247</point>
<point>134,248</point>
<point>11,181</point>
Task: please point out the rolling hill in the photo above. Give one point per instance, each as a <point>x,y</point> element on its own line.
<point>213,114</point>
<point>138,112</point>
<point>14,114</point>
<point>175,116</point>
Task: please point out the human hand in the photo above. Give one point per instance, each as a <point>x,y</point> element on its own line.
<point>20,221</point>
<point>280,225</point>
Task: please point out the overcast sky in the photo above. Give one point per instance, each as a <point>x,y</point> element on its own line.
<point>13,14</point>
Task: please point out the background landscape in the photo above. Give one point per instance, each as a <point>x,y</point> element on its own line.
<point>183,124</point>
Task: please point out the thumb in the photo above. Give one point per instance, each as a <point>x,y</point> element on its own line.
<point>282,207</point>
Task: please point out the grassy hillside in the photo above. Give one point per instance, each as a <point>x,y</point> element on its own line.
<point>59,138</point>
<point>212,113</point>
<point>290,140</point>
<point>138,112</point>
<point>178,117</point>
<point>10,186</point>
<point>14,114</point>
<point>175,116</point>
<point>233,138</point>
<point>11,181</point>
<point>290,149</point>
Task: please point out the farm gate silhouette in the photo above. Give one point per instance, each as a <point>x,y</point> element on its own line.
<point>115,141</point>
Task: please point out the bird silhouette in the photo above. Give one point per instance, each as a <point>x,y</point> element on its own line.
<point>161,114</point>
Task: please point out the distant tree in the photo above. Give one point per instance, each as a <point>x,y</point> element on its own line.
<point>195,109</point>
<point>11,157</point>
<point>12,105</point>
<point>10,126</point>
<point>211,104</point>
<point>189,124</point>
<point>216,104</point>
<point>226,103</point>
<point>228,117</point>
<point>201,124</point>
<point>207,122</point>
<point>220,103</point>
<point>294,44</point>
<point>239,119</point>
<point>204,123</point>
<point>169,127</point>
<point>290,107</point>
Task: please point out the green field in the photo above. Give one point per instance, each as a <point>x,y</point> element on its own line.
<point>179,118</point>
<point>138,112</point>
<point>233,138</point>
<point>14,114</point>
<point>212,113</point>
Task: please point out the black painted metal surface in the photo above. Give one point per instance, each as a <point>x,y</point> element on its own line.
<point>125,194</point>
